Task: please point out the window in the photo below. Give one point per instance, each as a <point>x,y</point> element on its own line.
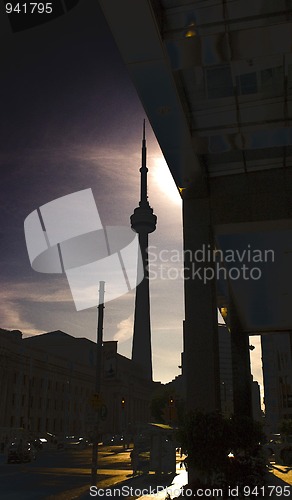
<point>272,78</point>
<point>219,82</point>
<point>247,83</point>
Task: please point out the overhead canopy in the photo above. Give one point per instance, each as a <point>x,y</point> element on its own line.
<point>215,79</point>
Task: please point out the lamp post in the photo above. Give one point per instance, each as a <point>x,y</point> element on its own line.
<point>97,379</point>
<point>171,404</point>
<point>123,421</point>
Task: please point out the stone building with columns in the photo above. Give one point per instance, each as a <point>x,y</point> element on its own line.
<point>47,386</point>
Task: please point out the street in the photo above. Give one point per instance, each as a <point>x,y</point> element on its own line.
<point>66,475</point>
<point>56,472</point>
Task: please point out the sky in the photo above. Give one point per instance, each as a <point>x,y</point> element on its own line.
<point>71,120</point>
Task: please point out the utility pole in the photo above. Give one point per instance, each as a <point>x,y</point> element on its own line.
<point>97,381</point>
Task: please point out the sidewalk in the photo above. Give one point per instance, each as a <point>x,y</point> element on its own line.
<point>150,487</point>
<point>154,487</point>
<point>281,486</point>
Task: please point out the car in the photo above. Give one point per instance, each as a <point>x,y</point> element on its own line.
<point>74,442</point>
<point>272,445</point>
<point>283,451</point>
<point>113,440</point>
<point>20,451</point>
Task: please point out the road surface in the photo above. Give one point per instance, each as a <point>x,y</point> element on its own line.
<point>62,475</point>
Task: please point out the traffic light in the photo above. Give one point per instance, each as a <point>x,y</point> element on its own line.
<point>123,402</point>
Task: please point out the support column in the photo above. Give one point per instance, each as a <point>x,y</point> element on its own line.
<point>242,391</point>
<point>201,351</point>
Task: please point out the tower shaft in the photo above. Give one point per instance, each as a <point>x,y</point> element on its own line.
<point>141,349</point>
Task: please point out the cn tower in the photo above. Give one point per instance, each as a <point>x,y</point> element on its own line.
<point>143,222</point>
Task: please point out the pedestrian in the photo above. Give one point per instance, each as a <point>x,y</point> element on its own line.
<point>134,460</point>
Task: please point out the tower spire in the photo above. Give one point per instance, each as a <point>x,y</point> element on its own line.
<point>143,195</point>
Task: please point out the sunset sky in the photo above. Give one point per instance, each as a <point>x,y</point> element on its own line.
<point>71,120</point>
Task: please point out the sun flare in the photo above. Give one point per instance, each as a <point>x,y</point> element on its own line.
<point>164,180</point>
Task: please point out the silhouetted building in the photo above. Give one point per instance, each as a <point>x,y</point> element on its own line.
<point>277,371</point>
<point>256,402</point>
<point>47,385</point>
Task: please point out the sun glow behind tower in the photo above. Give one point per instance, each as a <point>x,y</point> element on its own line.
<point>164,180</point>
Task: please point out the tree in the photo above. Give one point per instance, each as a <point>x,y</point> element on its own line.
<point>222,451</point>
<point>205,438</point>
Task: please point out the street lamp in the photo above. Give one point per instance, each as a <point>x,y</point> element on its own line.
<point>171,404</point>
<point>123,402</point>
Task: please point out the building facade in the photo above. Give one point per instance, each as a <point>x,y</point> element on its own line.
<point>47,386</point>
<point>277,371</point>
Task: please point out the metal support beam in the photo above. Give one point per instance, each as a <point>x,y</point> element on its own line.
<point>242,391</point>
<point>201,352</point>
